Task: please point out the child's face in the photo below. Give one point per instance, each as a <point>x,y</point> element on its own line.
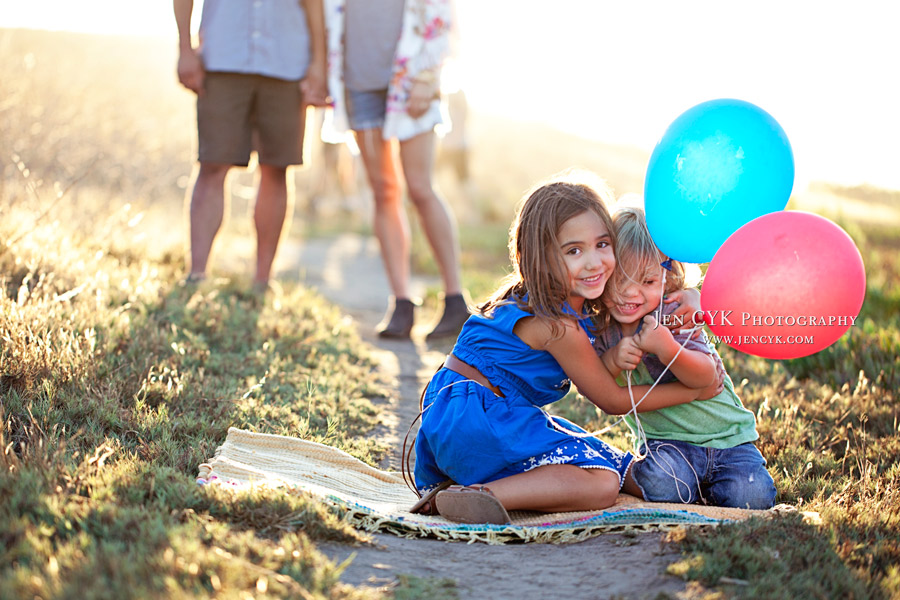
<point>637,297</point>
<point>588,255</point>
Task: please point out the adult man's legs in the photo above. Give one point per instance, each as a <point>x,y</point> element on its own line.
<point>206,210</point>
<point>223,136</point>
<point>278,117</point>
<point>269,216</point>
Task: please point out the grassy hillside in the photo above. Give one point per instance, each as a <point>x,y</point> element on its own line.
<point>116,381</point>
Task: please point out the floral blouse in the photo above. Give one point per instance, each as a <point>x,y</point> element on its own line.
<point>423,45</point>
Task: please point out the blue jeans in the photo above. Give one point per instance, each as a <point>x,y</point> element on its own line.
<point>680,472</point>
<point>366,110</point>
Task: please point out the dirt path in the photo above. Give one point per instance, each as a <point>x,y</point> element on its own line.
<point>347,270</point>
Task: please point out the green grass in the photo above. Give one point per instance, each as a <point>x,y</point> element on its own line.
<point>411,587</point>
<point>116,382</point>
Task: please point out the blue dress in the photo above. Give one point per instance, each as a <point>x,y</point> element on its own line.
<point>471,435</point>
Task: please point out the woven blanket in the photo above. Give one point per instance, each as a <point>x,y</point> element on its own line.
<point>376,500</point>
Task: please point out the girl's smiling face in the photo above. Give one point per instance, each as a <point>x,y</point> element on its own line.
<point>588,255</point>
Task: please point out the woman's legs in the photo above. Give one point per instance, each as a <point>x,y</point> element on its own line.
<point>390,221</point>
<point>439,224</point>
<point>392,226</point>
<point>417,158</point>
<point>557,488</point>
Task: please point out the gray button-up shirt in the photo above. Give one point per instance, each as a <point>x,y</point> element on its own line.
<point>261,37</point>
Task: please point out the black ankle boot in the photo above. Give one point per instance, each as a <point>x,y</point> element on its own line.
<point>401,320</point>
<point>456,311</point>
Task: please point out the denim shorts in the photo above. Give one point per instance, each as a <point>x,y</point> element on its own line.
<point>366,110</point>
<point>680,472</point>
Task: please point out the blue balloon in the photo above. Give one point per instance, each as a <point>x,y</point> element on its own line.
<point>718,166</point>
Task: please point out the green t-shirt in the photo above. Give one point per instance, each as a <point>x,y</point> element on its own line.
<point>719,422</point>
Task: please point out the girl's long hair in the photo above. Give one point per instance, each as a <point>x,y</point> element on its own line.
<point>539,282</point>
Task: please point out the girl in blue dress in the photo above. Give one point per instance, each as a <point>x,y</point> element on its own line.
<point>485,445</point>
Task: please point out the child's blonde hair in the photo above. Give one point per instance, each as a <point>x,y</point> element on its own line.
<point>539,281</point>
<point>637,255</point>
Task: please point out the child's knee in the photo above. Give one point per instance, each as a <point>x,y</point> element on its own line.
<point>605,488</point>
<point>662,481</point>
<point>760,493</point>
<point>755,491</point>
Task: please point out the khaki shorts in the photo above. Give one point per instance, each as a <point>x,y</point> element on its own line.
<point>239,113</point>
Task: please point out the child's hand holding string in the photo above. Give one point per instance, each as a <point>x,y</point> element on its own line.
<point>624,356</point>
<point>654,339</point>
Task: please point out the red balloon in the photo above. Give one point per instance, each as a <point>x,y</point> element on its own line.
<point>785,285</point>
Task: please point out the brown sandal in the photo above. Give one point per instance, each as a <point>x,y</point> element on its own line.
<point>471,504</point>
<point>426,504</point>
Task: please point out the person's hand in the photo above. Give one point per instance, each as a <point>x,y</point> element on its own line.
<point>190,71</point>
<point>720,377</point>
<point>654,339</point>
<point>421,94</point>
<point>713,389</point>
<point>626,355</point>
<point>314,86</point>
<point>717,386</point>
<point>687,314</point>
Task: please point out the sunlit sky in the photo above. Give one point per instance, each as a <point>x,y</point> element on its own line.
<point>620,71</point>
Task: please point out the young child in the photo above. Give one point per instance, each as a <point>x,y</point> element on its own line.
<point>699,451</point>
<point>482,419</point>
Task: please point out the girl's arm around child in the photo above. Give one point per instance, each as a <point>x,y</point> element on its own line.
<point>567,342</point>
<point>693,368</point>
